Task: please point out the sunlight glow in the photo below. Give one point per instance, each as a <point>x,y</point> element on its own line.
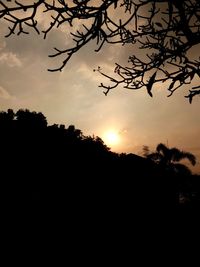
<point>111,138</point>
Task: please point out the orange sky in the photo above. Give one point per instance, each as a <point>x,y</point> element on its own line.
<point>73,96</point>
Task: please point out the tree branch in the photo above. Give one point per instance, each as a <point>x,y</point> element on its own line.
<point>164,30</point>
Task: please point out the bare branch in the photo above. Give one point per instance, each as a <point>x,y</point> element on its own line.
<point>164,30</point>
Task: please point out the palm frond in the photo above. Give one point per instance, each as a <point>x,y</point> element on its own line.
<point>163,149</point>
<point>190,157</point>
<point>176,154</point>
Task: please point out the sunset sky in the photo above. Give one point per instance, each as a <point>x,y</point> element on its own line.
<point>73,96</point>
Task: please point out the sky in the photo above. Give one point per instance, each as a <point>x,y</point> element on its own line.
<point>73,96</point>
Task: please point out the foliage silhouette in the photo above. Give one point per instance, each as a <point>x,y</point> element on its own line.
<point>53,167</point>
<point>167,31</point>
<point>169,158</point>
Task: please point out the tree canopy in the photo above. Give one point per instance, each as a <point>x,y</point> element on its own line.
<point>169,158</point>
<point>76,171</point>
<point>167,32</point>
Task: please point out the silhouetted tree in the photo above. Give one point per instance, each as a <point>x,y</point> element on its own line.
<point>7,116</point>
<point>167,30</point>
<point>73,133</point>
<point>168,158</point>
<point>145,151</point>
<point>96,147</point>
<point>31,119</point>
<point>64,169</point>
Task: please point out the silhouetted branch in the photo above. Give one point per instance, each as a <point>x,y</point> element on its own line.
<point>192,94</point>
<point>165,30</point>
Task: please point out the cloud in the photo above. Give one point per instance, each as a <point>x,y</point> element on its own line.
<point>10,59</point>
<point>4,93</point>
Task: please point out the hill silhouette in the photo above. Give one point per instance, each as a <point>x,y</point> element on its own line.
<point>45,168</point>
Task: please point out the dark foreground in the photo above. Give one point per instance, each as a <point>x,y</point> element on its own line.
<point>53,172</point>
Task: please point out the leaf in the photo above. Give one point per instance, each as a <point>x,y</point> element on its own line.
<point>191,74</point>
<point>150,84</point>
<point>171,86</point>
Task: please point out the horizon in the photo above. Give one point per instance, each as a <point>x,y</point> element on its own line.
<point>72,97</point>
<point>118,148</point>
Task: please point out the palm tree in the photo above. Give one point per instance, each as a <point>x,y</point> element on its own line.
<point>168,158</point>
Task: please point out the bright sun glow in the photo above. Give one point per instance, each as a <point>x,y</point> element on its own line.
<point>111,138</point>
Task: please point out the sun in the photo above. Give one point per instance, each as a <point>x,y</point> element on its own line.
<point>111,138</point>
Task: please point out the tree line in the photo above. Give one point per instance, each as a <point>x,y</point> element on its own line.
<point>51,164</point>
